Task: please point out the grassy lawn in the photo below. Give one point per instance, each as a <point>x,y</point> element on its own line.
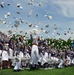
<point>63,71</point>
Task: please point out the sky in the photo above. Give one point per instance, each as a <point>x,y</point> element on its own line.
<point>44,18</point>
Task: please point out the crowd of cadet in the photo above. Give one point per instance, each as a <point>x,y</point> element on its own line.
<point>19,55</point>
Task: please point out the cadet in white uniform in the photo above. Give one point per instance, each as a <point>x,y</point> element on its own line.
<point>34,55</point>
<point>17,63</point>
<point>10,56</point>
<point>5,57</point>
<point>43,59</point>
<point>61,62</point>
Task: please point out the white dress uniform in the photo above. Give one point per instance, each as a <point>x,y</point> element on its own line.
<point>61,62</point>
<point>26,59</point>
<point>17,63</point>
<point>69,60</point>
<point>10,53</point>
<point>17,66</point>
<point>34,55</point>
<point>21,55</point>
<point>5,59</point>
<point>5,55</point>
<point>44,58</point>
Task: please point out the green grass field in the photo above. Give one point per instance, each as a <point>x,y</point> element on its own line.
<point>63,71</point>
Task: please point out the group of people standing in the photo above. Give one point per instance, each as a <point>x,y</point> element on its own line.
<point>17,54</point>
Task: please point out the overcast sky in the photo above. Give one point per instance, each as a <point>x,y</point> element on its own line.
<point>47,18</point>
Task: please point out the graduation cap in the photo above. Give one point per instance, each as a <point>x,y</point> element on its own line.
<point>30,25</point>
<point>9,31</point>
<point>41,28</point>
<point>30,3</point>
<point>22,21</point>
<point>36,15</point>
<point>21,31</point>
<point>2,5</point>
<point>55,28</point>
<point>1,21</point>
<point>25,32</point>
<point>5,16</point>
<point>21,7</point>
<point>8,14</point>
<point>49,17</point>
<point>46,15</point>
<point>46,32</point>
<point>47,25</point>
<point>58,33</point>
<point>18,12</point>
<point>65,34</point>
<point>2,2</point>
<point>4,22</point>
<point>40,4</point>
<point>8,4</point>
<point>69,28</point>
<point>15,25</point>
<point>18,5</point>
